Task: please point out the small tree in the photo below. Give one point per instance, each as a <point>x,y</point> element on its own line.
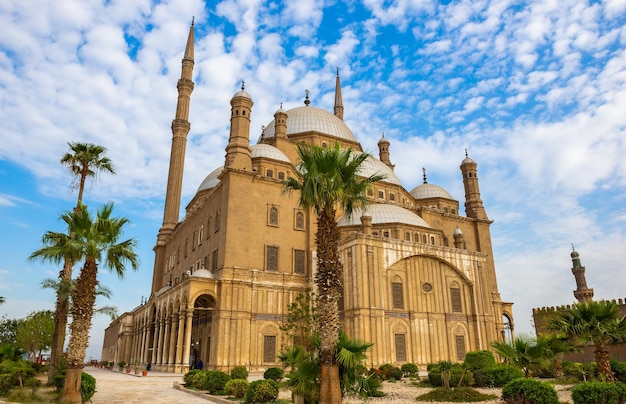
<point>526,353</point>
<point>34,334</point>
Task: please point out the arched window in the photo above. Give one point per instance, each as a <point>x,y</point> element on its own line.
<point>299,220</point>
<point>269,173</point>
<point>455,297</point>
<point>432,240</point>
<point>200,234</point>
<point>273,219</point>
<point>424,239</point>
<point>281,175</point>
<point>397,295</point>
<point>400,342</point>
<point>407,236</point>
<point>217,220</point>
<point>208,228</point>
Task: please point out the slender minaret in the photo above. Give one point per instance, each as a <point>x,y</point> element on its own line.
<point>338,99</point>
<point>180,130</point>
<point>473,204</point>
<point>383,151</point>
<point>280,122</point>
<point>582,292</point>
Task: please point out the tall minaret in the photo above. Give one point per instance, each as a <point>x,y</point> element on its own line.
<point>338,99</point>
<point>383,152</point>
<point>180,130</point>
<point>582,292</point>
<point>473,204</point>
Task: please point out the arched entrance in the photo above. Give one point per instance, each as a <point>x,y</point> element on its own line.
<point>201,329</point>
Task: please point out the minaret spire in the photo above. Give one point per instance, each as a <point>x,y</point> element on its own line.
<point>180,130</point>
<point>582,292</point>
<point>338,99</point>
<point>383,151</point>
<point>473,204</point>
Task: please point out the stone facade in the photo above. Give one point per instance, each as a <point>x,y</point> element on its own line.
<point>419,278</point>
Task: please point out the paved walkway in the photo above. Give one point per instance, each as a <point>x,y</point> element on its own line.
<point>113,387</point>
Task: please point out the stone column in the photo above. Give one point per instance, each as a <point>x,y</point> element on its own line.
<point>159,347</point>
<point>155,341</point>
<point>166,333</point>
<point>179,341</point>
<point>171,354</point>
<point>187,350</point>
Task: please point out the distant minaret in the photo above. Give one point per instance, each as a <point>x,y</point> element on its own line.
<point>582,292</point>
<point>338,99</point>
<point>383,151</point>
<point>473,204</point>
<point>180,130</point>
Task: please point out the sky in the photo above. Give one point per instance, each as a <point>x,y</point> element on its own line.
<point>534,90</point>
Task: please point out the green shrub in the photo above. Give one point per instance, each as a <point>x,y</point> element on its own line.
<point>275,374</point>
<point>573,369</point>
<point>392,372</point>
<point>435,379</point>
<point>239,372</point>
<point>262,391</point>
<point>215,381</point>
<point>529,391</point>
<point>479,360</point>
<point>7,382</point>
<point>188,378</point>
<point>32,383</point>
<point>597,393</point>
<point>198,380</point>
<point>590,370</point>
<point>458,395</point>
<point>496,376</point>
<point>87,386</point>
<point>409,369</point>
<point>236,387</point>
<point>58,381</point>
<point>619,369</point>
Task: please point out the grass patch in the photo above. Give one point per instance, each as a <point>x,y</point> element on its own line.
<point>456,395</point>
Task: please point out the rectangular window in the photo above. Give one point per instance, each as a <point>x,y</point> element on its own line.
<point>460,347</point>
<point>218,215</point>
<point>396,293</point>
<point>193,242</point>
<point>381,194</point>
<point>455,295</point>
<point>214,261</point>
<point>186,247</point>
<point>298,262</point>
<point>271,258</point>
<point>205,263</point>
<point>269,348</point>
<point>400,340</point>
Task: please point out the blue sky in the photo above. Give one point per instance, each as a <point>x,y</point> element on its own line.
<point>536,91</point>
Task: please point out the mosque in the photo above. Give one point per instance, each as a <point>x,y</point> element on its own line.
<point>419,277</point>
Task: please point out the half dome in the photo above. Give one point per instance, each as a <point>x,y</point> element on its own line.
<point>268,151</point>
<point>211,180</point>
<point>308,119</point>
<point>426,191</point>
<point>383,213</point>
<point>373,166</point>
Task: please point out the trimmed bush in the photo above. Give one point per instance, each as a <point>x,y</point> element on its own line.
<point>529,391</point>
<point>457,395</point>
<point>239,372</point>
<point>409,369</point>
<point>262,391</point>
<point>215,381</point>
<point>479,360</point>
<point>435,379</point>
<point>392,372</point>
<point>598,393</point>
<point>573,369</point>
<point>188,378</point>
<point>275,374</point>
<point>236,388</point>
<point>7,382</point>
<point>496,376</point>
<point>87,386</point>
<point>619,369</point>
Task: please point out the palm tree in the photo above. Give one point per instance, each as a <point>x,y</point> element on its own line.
<point>328,179</point>
<point>94,241</point>
<point>84,160</point>
<point>526,353</point>
<point>595,323</point>
<point>104,291</point>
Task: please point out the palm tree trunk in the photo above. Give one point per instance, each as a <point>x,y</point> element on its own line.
<point>604,363</point>
<point>60,322</point>
<point>328,280</point>
<point>83,300</point>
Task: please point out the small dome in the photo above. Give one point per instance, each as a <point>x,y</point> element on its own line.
<point>211,180</point>
<point>467,160</point>
<point>307,119</point>
<point>268,151</point>
<point>202,273</point>
<point>457,232</point>
<point>426,191</point>
<point>574,254</point>
<point>383,213</point>
<point>373,166</point>
<point>242,93</point>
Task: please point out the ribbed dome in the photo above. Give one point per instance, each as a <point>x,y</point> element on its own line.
<point>202,273</point>
<point>306,119</point>
<point>426,191</point>
<point>373,166</point>
<point>467,160</point>
<point>268,151</point>
<point>242,93</point>
<point>383,213</point>
<point>211,180</point>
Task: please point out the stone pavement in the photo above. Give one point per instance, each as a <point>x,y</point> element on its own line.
<point>113,387</point>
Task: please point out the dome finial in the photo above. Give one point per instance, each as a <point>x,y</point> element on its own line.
<point>193,19</point>
<point>306,100</point>
<point>466,155</point>
<point>383,135</point>
<point>243,85</point>
<point>337,71</point>
<point>424,172</point>
<point>281,105</point>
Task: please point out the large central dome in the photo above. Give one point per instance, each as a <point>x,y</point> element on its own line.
<point>308,119</point>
